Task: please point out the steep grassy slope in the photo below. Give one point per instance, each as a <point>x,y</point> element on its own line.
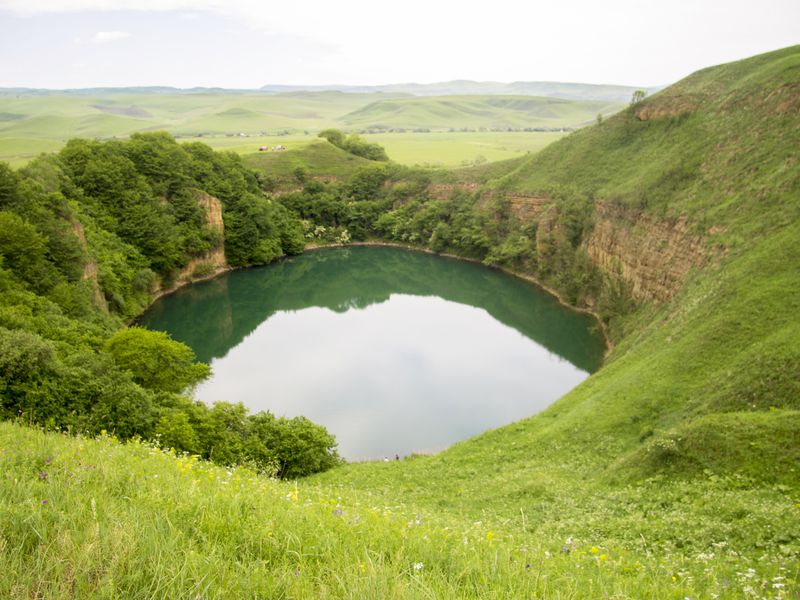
<point>718,147</point>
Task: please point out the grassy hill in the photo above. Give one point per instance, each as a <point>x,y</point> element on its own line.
<point>670,473</point>
<point>477,112</point>
<point>317,157</point>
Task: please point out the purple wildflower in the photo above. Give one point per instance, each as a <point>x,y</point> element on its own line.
<point>43,475</point>
<point>44,502</point>
<point>338,512</point>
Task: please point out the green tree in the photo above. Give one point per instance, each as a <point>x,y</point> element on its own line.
<point>334,136</point>
<point>25,252</point>
<point>638,96</point>
<point>156,361</point>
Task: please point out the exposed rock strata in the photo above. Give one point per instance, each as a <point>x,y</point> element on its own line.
<point>653,256</point>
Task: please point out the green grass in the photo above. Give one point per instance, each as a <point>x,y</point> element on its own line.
<point>439,149</point>
<point>317,157</point>
<point>444,149</point>
<point>93,518</point>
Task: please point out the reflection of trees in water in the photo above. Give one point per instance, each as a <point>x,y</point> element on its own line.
<point>214,316</point>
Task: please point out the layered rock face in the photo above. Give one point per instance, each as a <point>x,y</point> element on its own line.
<point>216,256</point>
<point>653,256</point>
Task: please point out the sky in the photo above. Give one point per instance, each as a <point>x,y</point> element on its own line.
<point>250,43</point>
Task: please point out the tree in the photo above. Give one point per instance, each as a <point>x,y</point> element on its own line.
<point>156,361</point>
<point>638,96</point>
<point>334,136</point>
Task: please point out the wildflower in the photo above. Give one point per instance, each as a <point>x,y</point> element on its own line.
<point>297,572</point>
<point>527,565</point>
<point>43,475</point>
<point>594,550</point>
<point>489,535</point>
<point>44,502</point>
<point>603,557</point>
<point>338,512</point>
<point>418,566</point>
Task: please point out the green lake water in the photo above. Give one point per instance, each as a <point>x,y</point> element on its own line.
<point>393,351</point>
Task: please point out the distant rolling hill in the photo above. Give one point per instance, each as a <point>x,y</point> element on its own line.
<point>50,117</point>
<point>462,87</point>
<point>441,112</point>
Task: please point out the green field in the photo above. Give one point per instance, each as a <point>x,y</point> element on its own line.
<point>30,124</point>
<point>444,149</point>
<point>439,149</point>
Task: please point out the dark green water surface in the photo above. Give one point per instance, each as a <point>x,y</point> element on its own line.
<point>393,351</point>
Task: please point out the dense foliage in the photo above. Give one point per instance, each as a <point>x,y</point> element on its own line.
<point>86,237</point>
<point>354,144</point>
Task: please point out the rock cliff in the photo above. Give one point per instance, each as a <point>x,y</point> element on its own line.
<point>653,256</point>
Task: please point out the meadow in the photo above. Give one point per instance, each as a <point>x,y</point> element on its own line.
<point>432,149</point>
<point>97,518</point>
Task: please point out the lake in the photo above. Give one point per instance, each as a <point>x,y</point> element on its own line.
<point>393,351</point>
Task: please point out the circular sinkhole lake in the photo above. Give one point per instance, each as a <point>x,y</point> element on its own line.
<point>393,351</point>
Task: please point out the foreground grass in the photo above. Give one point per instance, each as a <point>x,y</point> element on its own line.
<point>93,518</point>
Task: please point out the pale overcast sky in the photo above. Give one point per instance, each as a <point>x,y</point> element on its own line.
<point>249,43</point>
